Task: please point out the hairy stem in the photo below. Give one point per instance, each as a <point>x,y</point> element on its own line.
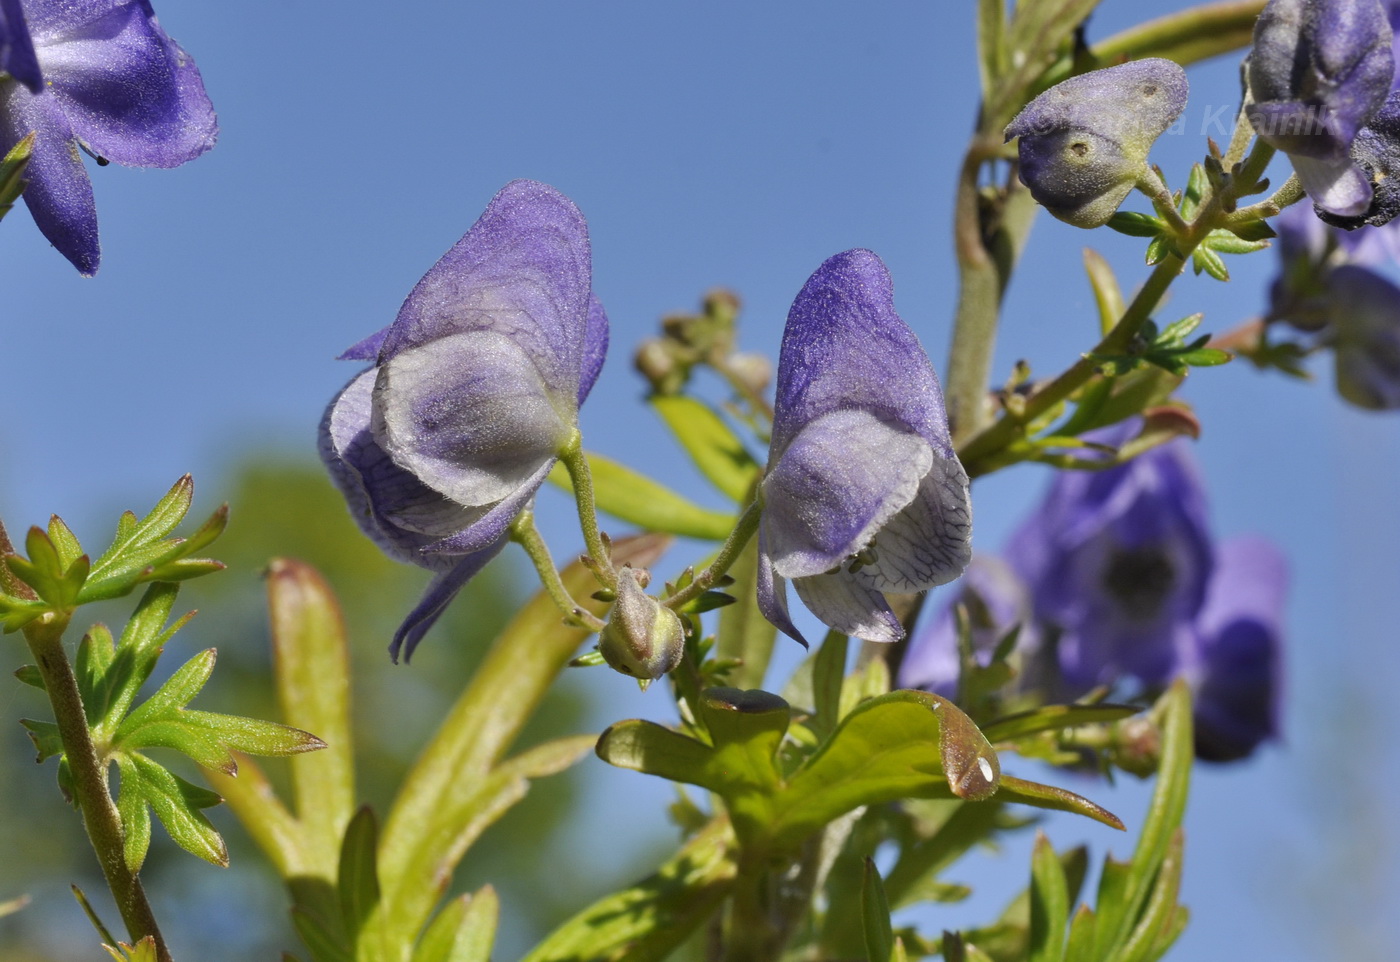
<point>728,554</point>
<point>524,533</point>
<point>576,462</point>
<point>89,773</point>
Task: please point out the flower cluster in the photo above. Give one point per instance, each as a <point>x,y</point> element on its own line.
<point>114,84</point>
<point>1115,580</point>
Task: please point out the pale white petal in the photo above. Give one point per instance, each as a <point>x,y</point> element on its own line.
<point>853,609</point>
<point>928,543</point>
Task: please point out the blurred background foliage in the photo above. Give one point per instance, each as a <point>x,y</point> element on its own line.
<point>282,504</point>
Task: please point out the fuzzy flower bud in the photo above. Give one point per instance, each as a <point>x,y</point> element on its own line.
<point>643,638</point>
<point>1084,142</point>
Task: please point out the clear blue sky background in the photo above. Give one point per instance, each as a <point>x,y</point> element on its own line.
<point>724,143</point>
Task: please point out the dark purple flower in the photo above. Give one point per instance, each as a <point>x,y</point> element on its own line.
<point>1318,73</point>
<point>473,394</point>
<point>116,85</point>
<point>1084,142</point>
<point>863,492</point>
<point>1365,336</point>
<point>1118,561</point>
<point>16,49</point>
<point>997,601</point>
<point>1237,669</point>
<point>1376,154</point>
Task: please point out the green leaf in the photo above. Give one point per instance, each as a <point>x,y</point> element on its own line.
<point>716,450</point>
<point>1205,259</point>
<point>1205,357</point>
<point>12,167</point>
<point>325,946</point>
<point>1108,296</point>
<point>358,877</point>
<point>1158,248</point>
<point>45,737</point>
<point>176,803</point>
<point>1229,242</point>
<point>1056,799</point>
<point>637,499</point>
<point>464,931</point>
<point>828,676</point>
<point>875,916</point>
<point>1135,224</point>
<point>64,541</point>
<point>905,744</point>
<point>443,796</point>
<point>15,613</point>
<point>1081,935</point>
<point>1175,333</point>
<point>1049,903</point>
<point>1163,819</point>
<point>1052,718</point>
<point>647,922</point>
<point>1155,932</point>
<point>991,44</point>
<point>1252,230</point>
<point>31,676</point>
<point>313,686</point>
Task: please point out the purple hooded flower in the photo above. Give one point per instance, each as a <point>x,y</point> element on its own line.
<point>863,493</point>
<point>1118,560</point>
<point>1319,72</point>
<point>116,85</point>
<point>16,49</point>
<point>1084,142</point>
<point>474,392</point>
<point>1365,336</point>
<point>1236,670</point>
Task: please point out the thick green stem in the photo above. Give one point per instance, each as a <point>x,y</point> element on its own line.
<point>89,774</point>
<point>576,462</point>
<point>728,554</point>
<point>524,533</point>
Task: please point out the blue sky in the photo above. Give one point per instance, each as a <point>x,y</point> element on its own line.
<point>725,143</point>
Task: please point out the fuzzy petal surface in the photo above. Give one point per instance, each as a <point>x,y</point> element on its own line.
<point>16,48</point>
<point>522,271</point>
<point>929,542</point>
<point>849,607</point>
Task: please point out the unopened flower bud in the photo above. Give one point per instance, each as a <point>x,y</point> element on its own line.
<point>656,361</point>
<point>1084,142</point>
<point>643,638</point>
<point>754,370</point>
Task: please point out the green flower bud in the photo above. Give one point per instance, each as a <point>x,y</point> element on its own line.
<point>643,638</point>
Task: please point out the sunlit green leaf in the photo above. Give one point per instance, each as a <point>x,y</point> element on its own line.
<point>637,499</point>
<point>716,450</point>
<point>464,931</point>
<point>1049,908</point>
<point>358,876</point>
<point>875,916</point>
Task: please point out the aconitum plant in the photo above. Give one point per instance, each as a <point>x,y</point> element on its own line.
<point>1114,633</point>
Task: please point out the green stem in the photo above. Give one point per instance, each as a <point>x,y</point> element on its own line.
<point>988,235</point>
<point>976,452</point>
<point>524,533</point>
<point>728,554</point>
<point>89,774</point>
<point>576,462</point>
<point>1150,183</point>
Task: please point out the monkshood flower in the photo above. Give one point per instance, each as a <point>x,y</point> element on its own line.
<point>997,600</point>
<point>1118,560</point>
<point>117,86</point>
<point>16,49</point>
<point>1376,153</point>
<point>1084,142</point>
<point>474,392</point>
<point>863,493</point>
<point>1318,73</point>
<point>1365,336</point>
<point>1236,668</point>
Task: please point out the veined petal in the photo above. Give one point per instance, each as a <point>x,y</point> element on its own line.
<point>772,595</point>
<point>469,414</point>
<point>523,271</point>
<point>929,543</point>
<point>59,195</point>
<point>840,480</point>
<point>845,347</point>
<point>440,593</point>
<point>1338,187</point>
<point>16,49</point>
<point>851,608</point>
<point>381,495</point>
<point>129,91</point>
